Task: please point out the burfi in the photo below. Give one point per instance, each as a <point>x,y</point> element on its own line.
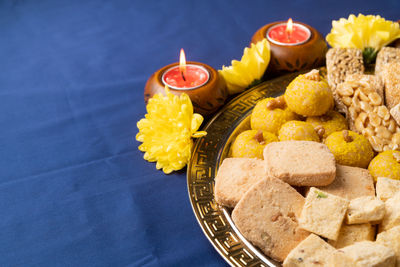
<point>364,210</point>
<point>312,251</point>
<point>300,163</point>
<point>350,234</point>
<point>267,217</point>
<point>323,213</point>
<point>350,183</point>
<point>386,188</point>
<point>367,253</point>
<point>386,55</point>
<point>392,213</point>
<point>391,78</point>
<point>391,239</point>
<point>235,176</point>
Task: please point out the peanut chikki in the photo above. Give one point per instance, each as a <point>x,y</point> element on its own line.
<point>391,78</point>
<point>386,55</point>
<point>341,62</point>
<point>368,115</point>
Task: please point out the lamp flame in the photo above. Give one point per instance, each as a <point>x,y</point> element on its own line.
<point>182,62</point>
<point>289,26</point>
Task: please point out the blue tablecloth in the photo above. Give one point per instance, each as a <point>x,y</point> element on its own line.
<point>74,189</point>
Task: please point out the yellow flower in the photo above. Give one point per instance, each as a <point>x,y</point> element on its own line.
<point>166,131</point>
<point>249,69</point>
<point>368,33</point>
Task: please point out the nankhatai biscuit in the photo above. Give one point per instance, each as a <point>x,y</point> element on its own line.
<point>235,176</point>
<point>350,234</point>
<point>267,217</point>
<point>300,163</point>
<point>350,183</point>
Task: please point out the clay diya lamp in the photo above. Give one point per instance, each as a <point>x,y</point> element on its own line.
<point>295,46</point>
<point>199,81</point>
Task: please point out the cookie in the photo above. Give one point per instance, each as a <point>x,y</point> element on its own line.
<point>367,253</point>
<point>300,163</point>
<point>350,234</point>
<point>350,183</point>
<point>235,176</point>
<point>312,251</point>
<point>267,217</point>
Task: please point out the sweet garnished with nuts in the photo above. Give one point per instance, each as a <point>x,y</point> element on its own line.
<point>350,148</point>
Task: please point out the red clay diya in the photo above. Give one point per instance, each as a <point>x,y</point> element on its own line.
<point>199,81</point>
<point>294,46</point>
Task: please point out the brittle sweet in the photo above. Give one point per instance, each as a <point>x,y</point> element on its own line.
<point>385,56</point>
<point>368,115</point>
<point>391,78</point>
<point>341,62</point>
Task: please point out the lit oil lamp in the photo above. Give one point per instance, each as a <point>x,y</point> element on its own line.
<point>295,46</point>
<point>200,81</point>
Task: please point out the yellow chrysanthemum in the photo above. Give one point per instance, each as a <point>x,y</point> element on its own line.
<point>368,33</point>
<point>167,129</point>
<point>249,69</point>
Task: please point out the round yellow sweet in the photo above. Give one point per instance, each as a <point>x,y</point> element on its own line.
<point>357,152</point>
<point>332,121</point>
<point>270,120</point>
<point>309,97</point>
<point>385,164</point>
<point>250,144</point>
<point>298,130</point>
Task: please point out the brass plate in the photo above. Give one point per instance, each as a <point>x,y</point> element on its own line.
<point>208,153</point>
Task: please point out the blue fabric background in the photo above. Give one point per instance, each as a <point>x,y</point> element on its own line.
<point>74,189</point>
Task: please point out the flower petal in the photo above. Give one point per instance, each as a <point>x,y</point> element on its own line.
<point>251,67</point>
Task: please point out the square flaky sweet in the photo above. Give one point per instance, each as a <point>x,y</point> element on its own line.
<point>323,213</point>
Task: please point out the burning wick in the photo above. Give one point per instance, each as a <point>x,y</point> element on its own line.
<point>182,64</point>
<point>289,28</point>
